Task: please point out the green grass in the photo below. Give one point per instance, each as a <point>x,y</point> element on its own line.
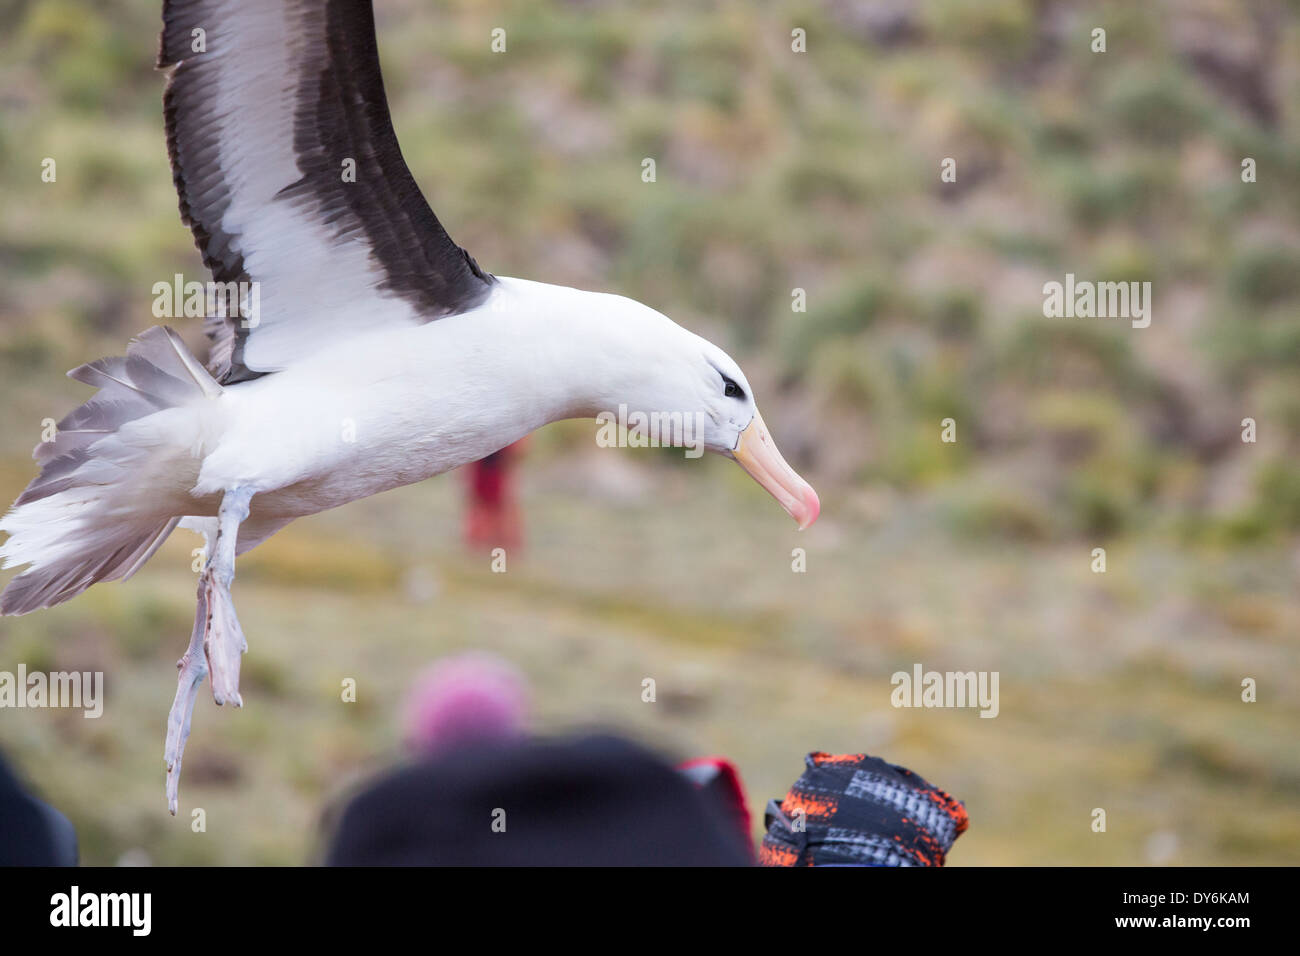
<point>1118,691</point>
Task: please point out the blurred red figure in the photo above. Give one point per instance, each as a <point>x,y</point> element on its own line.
<point>492,515</point>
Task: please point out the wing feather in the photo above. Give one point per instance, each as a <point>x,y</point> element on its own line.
<point>268,103</point>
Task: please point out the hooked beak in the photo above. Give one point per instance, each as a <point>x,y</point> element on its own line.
<point>757,454</point>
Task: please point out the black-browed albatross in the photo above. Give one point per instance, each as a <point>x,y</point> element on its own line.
<point>381,353</point>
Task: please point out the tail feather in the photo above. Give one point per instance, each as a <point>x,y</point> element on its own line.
<point>81,520</point>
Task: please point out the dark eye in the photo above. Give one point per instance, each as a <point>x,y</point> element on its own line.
<point>730,389</point>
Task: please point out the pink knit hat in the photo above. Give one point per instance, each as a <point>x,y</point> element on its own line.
<point>470,698</point>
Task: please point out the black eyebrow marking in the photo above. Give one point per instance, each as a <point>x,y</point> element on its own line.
<point>726,379</point>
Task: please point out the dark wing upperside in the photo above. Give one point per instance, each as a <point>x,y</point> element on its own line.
<point>264,108</point>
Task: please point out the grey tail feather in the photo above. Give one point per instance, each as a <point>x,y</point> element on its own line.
<point>157,372</point>
<point>48,586</point>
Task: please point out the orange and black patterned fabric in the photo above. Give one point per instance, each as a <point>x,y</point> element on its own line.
<point>857,810</point>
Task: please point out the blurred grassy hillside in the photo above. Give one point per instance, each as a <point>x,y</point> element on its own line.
<point>776,171</point>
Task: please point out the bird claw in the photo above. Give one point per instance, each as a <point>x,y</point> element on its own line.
<point>191,669</point>
<point>216,644</point>
<point>223,644</point>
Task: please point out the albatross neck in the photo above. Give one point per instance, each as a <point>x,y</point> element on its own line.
<point>570,353</point>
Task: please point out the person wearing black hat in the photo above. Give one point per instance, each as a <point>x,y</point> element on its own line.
<point>584,801</point>
<point>32,833</point>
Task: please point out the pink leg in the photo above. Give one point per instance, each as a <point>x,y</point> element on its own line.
<point>217,642</point>
<point>192,667</point>
<point>225,639</point>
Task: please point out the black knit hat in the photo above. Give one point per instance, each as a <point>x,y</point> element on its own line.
<point>588,801</point>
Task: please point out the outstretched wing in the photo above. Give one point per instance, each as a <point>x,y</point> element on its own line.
<point>290,176</point>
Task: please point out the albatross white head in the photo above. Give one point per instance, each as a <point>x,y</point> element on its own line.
<point>640,368</point>
<point>724,403</point>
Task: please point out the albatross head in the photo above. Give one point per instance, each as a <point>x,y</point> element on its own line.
<point>672,381</point>
<point>734,428</point>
